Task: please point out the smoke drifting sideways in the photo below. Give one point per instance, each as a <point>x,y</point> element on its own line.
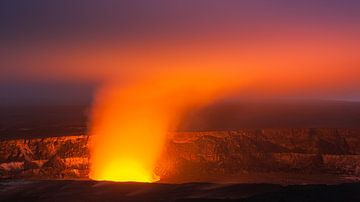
<point>163,78</point>
<point>131,121</point>
<point>175,59</point>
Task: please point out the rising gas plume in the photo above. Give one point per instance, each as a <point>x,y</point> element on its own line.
<point>131,120</point>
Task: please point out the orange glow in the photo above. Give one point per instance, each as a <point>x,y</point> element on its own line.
<point>163,80</point>
<point>130,122</point>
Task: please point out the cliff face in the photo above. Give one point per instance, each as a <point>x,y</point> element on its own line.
<point>307,151</point>
<point>53,157</point>
<point>191,155</point>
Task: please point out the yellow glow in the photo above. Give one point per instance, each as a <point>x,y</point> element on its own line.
<point>124,170</point>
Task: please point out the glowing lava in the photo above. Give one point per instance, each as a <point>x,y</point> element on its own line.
<point>131,121</point>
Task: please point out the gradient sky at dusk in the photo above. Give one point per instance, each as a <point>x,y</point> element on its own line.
<point>47,48</point>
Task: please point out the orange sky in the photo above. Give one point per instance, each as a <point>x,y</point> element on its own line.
<point>298,47</point>
<point>297,60</point>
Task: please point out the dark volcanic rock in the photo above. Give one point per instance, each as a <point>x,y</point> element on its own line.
<point>53,157</point>
<point>194,156</point>
<point>84,190</point>
<point>299,151</point>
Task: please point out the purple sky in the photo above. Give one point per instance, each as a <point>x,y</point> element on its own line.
<point>35,36</point>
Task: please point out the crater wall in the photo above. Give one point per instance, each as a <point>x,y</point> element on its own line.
<point>199,156</point>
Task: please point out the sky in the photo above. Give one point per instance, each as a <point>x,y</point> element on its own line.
<point>59,52</point>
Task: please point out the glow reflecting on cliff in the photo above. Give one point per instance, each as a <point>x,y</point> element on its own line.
<point>130,122</point>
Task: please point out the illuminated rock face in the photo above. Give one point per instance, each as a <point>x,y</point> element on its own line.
<point>299,151</point>
<point>199,155</point>
<point>53,157</point>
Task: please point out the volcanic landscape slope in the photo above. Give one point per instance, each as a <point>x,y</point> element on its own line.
<point>18,122</point>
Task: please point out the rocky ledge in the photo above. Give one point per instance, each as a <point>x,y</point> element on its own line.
<point>200,156</point>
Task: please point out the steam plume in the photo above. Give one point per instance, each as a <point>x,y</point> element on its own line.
<point>131,120</point>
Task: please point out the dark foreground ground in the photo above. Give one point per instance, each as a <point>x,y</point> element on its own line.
<point>68,190</point>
